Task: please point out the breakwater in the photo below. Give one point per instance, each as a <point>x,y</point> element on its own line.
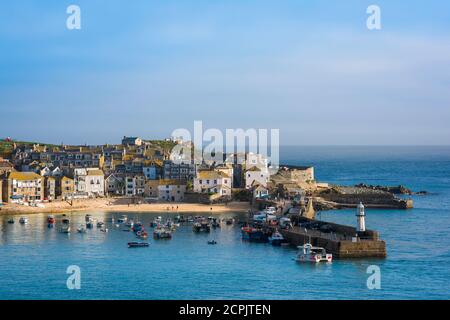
<point>340,240</point>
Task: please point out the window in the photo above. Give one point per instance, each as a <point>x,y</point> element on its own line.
<point>201,181</point>
<point>215,181</point>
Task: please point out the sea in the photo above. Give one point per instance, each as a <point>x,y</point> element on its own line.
<point>37,262</point>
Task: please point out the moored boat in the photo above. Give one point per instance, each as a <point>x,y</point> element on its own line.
<point>253,234</point>
<point>122,219</point>
<point>100,224</point>
<point>162,233</point>
<point>51,219</point>
<point>201,226</point>
<point>81,229</point>
<point>137,244</point>
<point>23,220</point>
<point>276,239</point>
<point>309,253</point>
<point>90,224</point>
<point>65,228</point>
<point>11,221</point>
<point>88,217</point>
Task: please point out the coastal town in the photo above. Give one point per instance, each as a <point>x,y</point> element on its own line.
<point>136,172</point>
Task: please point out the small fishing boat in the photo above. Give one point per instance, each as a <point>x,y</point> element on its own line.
<point>65,221</point>
<point>65,228</point>
<point>202,226</point>
<point>11,221</point>
<point>162,233</point>
<point>137,244</point>
<point>130,223</point>
<point>90,224</point>
<point>23,220</point>
<point>88,217</point>
<point>276,239</point>
<point>229,221</point>
<point>253,234</point>
<point>155,222</point>
<point>212,242</point>
<point>309,253</point>
<point>137,227</point>
<point>100,224</point>
<point>103,229</point>
<point>142,234</point>
<point>81,229</point>
<point>122,219</point>
<point>51,219</point>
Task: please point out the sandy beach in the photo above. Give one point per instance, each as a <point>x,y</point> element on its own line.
<point>123,205</point>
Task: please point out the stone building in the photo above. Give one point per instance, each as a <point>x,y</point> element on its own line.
<point>23,186</point>
<point>65,187</point>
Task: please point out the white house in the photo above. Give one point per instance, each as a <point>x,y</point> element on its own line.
<point>255,174</point>
<point>89,182</point>
<point>212,181</point>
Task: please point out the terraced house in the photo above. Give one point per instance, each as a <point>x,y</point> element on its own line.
<point>213,181</point>
<point>23,186</point>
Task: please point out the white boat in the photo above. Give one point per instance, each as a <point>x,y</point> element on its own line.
<point>88,218</point>
<point>81,229</point>
<point>309,253</point>
<point>122,219</point>
<point>23,220</point>
<point>130,223</point>
<point>276,239</point>
<point>65,228</point>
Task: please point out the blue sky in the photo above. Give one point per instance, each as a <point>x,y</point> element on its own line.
<point>308,68</point>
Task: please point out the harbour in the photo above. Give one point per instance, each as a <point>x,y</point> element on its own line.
<point>188,267</point>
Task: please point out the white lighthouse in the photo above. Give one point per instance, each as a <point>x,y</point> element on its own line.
<point>361,216</point>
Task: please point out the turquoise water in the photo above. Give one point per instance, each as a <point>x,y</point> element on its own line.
<point>34,259</point>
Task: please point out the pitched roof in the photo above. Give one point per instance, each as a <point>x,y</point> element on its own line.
<point>23,176</point>
<point>254,168</point>
<point>207,174</point>
<point>95,172</point>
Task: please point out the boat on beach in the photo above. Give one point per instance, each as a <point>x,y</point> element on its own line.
<point>309,253</point>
